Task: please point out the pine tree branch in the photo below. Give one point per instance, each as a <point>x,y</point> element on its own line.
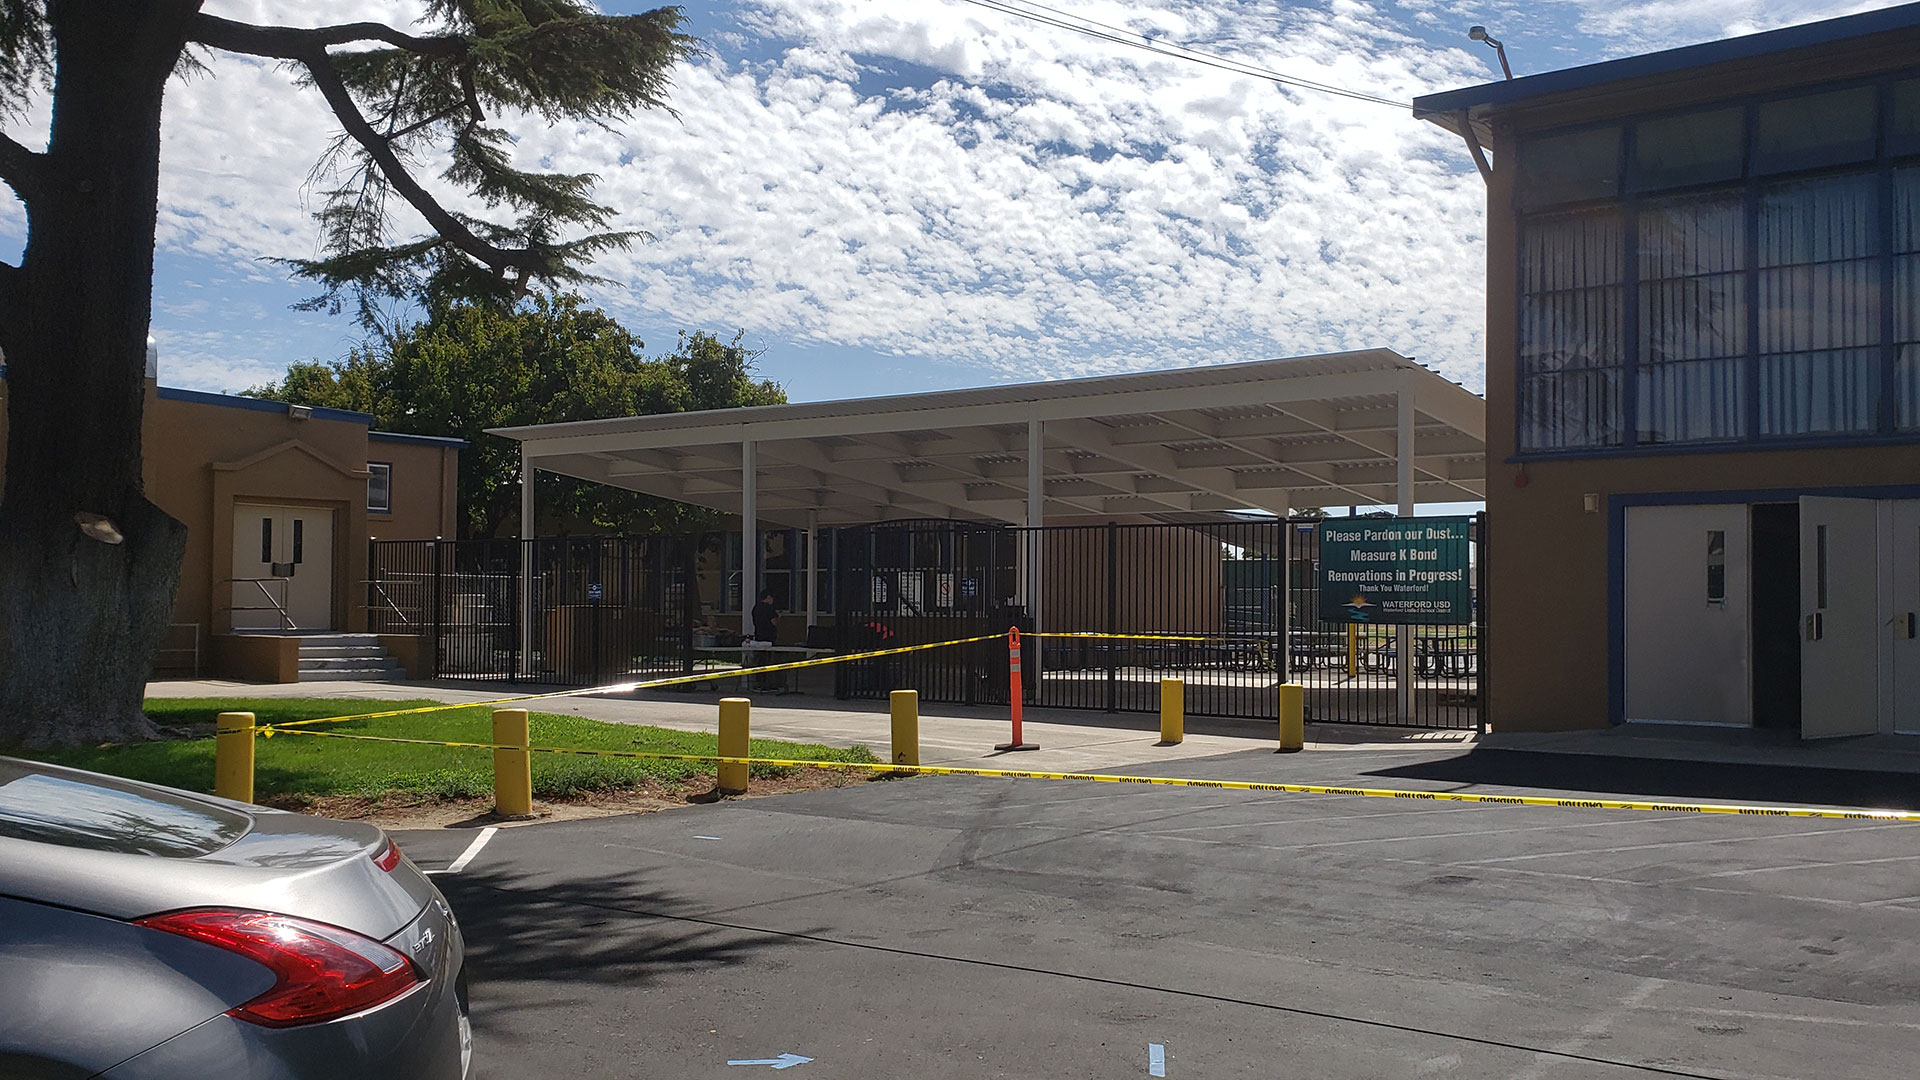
<point>326,78</point>
<point>295,43</point>
<point>22,169</point>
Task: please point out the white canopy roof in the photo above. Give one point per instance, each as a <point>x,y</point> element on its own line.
<point>1263,436</point>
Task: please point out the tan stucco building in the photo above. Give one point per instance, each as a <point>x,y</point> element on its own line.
<point>1703,383</point>
<point>280,503</point>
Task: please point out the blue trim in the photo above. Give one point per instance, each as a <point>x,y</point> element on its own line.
<point>1772,444</point>
<point>234,401</point>
<point>1617,557</point>
<point>401,437</point>
<point>1670,61</point>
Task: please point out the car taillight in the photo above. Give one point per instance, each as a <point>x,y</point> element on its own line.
<point>320,972</point>
<point>387,857</point>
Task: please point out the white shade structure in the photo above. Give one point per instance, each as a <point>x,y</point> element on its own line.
<point>1191,442</point>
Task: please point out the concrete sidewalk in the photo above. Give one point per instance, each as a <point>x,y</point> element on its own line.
<point>1720,745</point>
<point>1070,740</point>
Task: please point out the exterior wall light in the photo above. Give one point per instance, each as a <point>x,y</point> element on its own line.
<point>1479,33</point>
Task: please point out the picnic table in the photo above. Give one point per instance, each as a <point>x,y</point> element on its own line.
<point>752,656</point>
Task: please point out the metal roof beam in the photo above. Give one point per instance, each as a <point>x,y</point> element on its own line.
<point>1089,435</point>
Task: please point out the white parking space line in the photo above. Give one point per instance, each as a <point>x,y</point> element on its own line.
<point>1686,843</point>
<point>1748,871</point>
<point>466,856</point>
<point>1410,837</point>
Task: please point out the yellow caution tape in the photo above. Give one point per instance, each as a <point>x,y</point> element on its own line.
<point>1133,637</point>
<point>649,684</point>
<point>727,673</point>
<point>1173,781</point>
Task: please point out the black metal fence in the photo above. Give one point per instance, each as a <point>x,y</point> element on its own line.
<point>576,612</point>
<point>1242,595</point>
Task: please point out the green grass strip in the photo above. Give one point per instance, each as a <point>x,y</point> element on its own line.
<point>316,767</point>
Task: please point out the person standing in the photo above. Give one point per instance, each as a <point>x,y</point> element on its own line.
<point>766,629</point>
<point>766,619</point>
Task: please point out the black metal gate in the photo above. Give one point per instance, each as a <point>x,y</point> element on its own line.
<point>577,612</point>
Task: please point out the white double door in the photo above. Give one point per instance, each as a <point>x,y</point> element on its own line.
<point>282,568</point>
<point>1690,626</point>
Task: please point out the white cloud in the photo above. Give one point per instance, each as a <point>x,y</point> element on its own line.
<point>957,186</point>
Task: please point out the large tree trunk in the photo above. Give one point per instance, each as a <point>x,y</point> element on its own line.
<point>81,617</point>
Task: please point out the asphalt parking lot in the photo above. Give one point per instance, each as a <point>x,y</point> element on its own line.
<point>951,927</point>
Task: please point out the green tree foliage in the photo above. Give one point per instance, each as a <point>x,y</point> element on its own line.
<point>474,366</point>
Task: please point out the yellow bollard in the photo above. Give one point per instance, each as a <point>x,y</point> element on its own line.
<point>1173,711</point>
<point>904,705</point>
<point>512,764</point>
<point>1293,717</point>
<point>1353,649</point>
<point>233,756</point>
<point>734,722</point>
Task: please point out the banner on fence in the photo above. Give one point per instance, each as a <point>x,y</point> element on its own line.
<point>1396,570</point>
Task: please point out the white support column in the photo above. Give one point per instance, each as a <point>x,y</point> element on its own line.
<point>526,560</point>
<point>813,567</point>
<point>1403,490</point>
<point>1036,517</point>
<point>749,535</point>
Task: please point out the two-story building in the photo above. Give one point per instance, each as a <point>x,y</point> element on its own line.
<point>1703,382</point>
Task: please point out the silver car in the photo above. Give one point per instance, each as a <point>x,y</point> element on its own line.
<point>149,933</point>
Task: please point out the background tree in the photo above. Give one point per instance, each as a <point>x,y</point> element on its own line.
<point>88,566</point>
<point>473,366</point>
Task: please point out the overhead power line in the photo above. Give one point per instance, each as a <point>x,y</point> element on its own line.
<point>1079,24</point>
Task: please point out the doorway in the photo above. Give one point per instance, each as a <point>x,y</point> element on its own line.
<point>1687,614</point>
<point>1840,624</point>
<point>282,568</point>
<point>1776,616</point>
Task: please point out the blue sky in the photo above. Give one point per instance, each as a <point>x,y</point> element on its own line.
<point>899,195</point>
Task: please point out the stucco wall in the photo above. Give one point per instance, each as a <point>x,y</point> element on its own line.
<point>202,457</point>
<point>425,485</point>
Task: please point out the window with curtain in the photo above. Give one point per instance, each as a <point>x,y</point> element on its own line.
<point>1818,293</point>
<point>1572,308</point>
<point>1906,298</point>
<point>1692,319</point>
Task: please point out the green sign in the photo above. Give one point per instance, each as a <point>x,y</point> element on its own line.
<point>1395,570</point>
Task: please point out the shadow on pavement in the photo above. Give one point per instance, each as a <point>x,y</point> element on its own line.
<point>573,932</point>
<point>1708,781</point>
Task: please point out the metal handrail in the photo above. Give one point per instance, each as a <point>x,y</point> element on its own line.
<point>286,620</point>
<point>379,586</point>
<point>195,650</point>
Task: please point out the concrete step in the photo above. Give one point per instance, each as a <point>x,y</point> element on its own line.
<point>386,674</point>
<point>334,652</point>
<point>344,657</point>
<point>337,641</point>
<point>339,663</point>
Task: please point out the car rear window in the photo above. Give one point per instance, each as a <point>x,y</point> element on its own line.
<point>97,814</point>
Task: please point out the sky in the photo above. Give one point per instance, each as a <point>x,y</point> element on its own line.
<point>888,196</point>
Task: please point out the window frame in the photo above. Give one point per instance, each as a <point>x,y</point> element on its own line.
<point>372,468</point>
<point>1628,206</point>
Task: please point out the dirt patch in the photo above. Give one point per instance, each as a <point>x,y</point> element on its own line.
<point>408,811</point>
